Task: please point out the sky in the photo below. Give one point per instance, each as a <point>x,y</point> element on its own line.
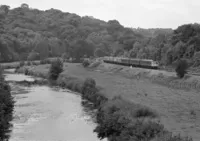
<point>130,13</point>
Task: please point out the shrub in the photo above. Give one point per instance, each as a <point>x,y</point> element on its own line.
<point>22,63</point>
<point>181,68</point>
<point>34,63</point>
<point>28,63</point>
<point>86,63</point>
<point>55,69</point>
<point>26,71</point>
<point>45,61</point>
<point>88,86</point>
<point>116,124</point>
<point>145,112</point>
<point>6,109</point>
<point>33,56</point>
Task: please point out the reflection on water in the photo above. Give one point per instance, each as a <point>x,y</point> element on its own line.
<point>46,114</point>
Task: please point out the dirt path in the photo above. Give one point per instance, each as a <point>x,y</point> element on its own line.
<point>179,109</point>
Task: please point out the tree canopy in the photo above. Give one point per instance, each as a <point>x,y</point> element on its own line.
<point>52,33</point>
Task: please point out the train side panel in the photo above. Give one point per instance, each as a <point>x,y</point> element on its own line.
<point>134,62</point>
<point>146,63</point>
<point>125,61</point>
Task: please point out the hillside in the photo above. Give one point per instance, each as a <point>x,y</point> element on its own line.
<point>29,34</point>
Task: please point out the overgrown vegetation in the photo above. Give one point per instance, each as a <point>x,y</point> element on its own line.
<point>55,69</point>
<point>86,63</point>
<point>6,108</point>
<point>119,120</point>
<point>21,63</point>
<point>181,68</point>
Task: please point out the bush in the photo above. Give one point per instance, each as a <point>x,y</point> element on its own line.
<point>45,61</point>
<point>86,63</point>
<point>181,68</point>
<point>6,109</point>
<point>34,63</point>
<point>145,112</point>
<point>33,56</point>
<point>22,63</point>
<point>26,72</point>
<point>89,86</point>
<point>55,69</point>
<point>119,122</point>
<point>28,63</point>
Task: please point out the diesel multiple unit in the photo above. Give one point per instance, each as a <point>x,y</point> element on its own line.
<point>144,63</point>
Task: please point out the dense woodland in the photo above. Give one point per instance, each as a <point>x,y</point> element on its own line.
<point>29,34</point>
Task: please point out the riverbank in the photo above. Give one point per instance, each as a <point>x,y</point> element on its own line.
<point>6,108</point>
<point>177,109</point>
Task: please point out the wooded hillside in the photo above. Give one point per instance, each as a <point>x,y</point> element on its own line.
<point>29,34</point>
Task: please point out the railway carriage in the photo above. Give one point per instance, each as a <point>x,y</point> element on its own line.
<point>125,61</point>
<point>134,62</point>
<point>144,63</point>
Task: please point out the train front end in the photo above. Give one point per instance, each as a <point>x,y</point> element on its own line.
<point>155,65</point>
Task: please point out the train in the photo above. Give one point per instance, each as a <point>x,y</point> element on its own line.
<point>143,63</point>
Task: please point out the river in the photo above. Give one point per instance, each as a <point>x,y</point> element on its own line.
<point>42,113</point>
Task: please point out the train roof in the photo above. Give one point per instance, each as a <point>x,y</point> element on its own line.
<point>141,59</point>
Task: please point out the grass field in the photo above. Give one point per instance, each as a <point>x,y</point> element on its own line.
<point>179,109</point>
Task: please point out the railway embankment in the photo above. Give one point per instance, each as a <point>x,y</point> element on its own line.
<point>161,77</point>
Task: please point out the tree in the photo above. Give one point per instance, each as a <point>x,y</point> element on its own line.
<point>99,53</point>
<point>24,5</point>
<point>65,56</point>
<point>81,48</point>
<point>181,68</point>
<point>55,69</point>
<point>196,59</point>
<point>136,47</point>
<point>6,108</point>
<point>33,56</point>
<point>4,8</point>
<point>43,49</point>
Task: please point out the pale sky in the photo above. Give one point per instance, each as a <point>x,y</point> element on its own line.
<point>130,13</point>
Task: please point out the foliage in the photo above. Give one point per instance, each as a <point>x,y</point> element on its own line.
<point>86,63</point>
<point>45,61</point>
<point>22,63</point>
<point>55,69</point>
<point>6,108</point>
<point>28,63</point>
<point>52,33</point>
<point>30,33</point>
<point>119,120</point>
<point>88,85</point>
<point>99,52</point>
<point>181,68</point>
<point>33,56</point>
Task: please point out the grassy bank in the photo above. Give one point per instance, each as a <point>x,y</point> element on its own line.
<point>160,77</point>
<point>117,118</point>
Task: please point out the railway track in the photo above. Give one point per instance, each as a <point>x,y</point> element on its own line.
<point>189,72</point>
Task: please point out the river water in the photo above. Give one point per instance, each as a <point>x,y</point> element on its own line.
<point>48,114</point>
